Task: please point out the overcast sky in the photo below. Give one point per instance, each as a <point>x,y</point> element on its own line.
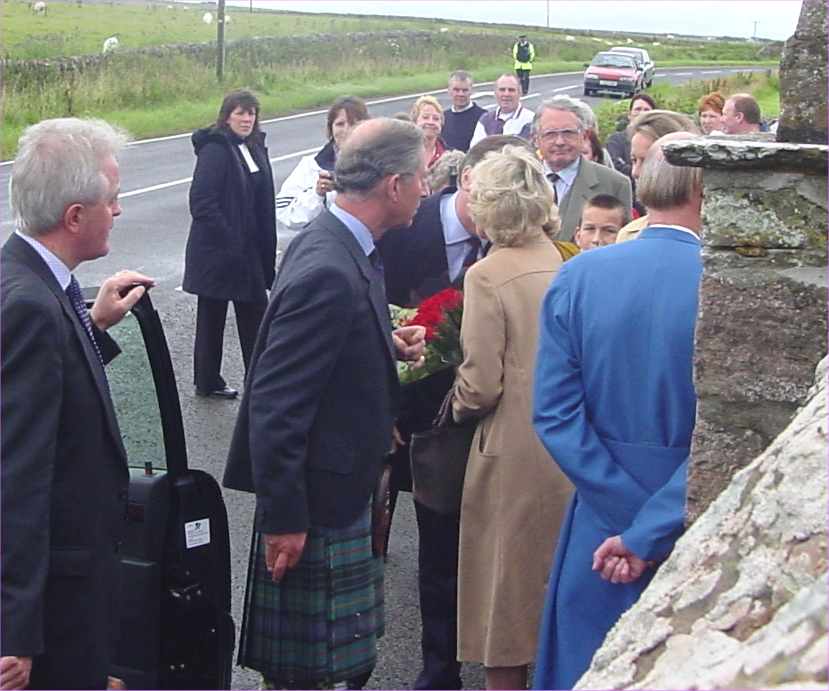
<point>775,19</point>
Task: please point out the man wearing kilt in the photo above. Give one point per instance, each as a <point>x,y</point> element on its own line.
<point>316,421</point>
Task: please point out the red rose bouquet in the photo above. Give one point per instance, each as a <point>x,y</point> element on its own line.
<point>441,315</point>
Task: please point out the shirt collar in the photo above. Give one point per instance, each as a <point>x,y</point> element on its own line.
<point>453,230</point>
<point>567,174</point>
<point>60,271</point>
<point>676,227</point>
<point>511,116</point>
<point>357,228</point>
<point>463,110</point>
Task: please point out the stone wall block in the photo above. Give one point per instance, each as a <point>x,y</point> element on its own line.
<point>803,114</point>
<point>742,600</point>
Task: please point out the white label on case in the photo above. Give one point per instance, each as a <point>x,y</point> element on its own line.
<point>197,533</point>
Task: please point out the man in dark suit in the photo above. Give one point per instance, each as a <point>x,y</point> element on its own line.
<point>64,469</point>
<point>559,129</point>
<point>431,255</point>
<point>316,422</point>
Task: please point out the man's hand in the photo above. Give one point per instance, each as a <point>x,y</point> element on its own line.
<point>15,672</point>
<point>282,552</point>
<point>116,297</point>
<point>616,562</point>
<point>409,341</point>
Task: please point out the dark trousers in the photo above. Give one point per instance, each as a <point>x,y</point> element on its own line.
<point>437,554</point>
<point>210,331</point>
<point>524,78</point>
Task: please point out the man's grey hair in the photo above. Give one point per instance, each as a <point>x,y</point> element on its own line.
<point>583,112</point>
<point>396,148</point>
<point>657,123</point>
<point>59,163</point>
<point>662,185</point>
<point>460,76</point>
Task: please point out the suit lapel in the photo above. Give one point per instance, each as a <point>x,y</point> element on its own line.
<point>376,288</point>
<point>33,261</point>
<point>572,203</point>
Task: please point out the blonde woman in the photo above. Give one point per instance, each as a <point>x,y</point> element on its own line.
<point>427,114</point>
<point>514,495</point>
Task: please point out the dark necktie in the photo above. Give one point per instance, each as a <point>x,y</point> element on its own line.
<point>553,178</point>
<point>471,256</point>
<point>376,261</point>
<point>73,292</point>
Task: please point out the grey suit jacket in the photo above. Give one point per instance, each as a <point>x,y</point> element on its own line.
<point>592,179</point>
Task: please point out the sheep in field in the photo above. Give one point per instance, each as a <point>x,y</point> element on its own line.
<point>39,8</point>
<point>111,44</point>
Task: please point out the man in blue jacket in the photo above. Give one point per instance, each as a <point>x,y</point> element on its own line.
<point>615,407</point>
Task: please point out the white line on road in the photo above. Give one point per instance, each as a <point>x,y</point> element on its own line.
<point>308,114</point>
<point>710,71</point>
<point>184,181</point>
<point>565,88</point>
<point>677,74</point>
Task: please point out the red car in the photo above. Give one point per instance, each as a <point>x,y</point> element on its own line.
<point>613,73</point>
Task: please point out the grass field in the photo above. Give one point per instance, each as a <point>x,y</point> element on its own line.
<point>153,95</point>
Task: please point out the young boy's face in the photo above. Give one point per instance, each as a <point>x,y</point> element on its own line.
<point>598,227</point>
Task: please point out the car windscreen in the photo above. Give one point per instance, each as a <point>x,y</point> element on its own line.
<point>613,60</point>
<point>133,391</point>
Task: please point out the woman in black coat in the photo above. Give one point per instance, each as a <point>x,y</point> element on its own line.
<point>231,250</point>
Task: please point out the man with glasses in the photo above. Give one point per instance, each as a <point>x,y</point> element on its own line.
<point>559,129</point>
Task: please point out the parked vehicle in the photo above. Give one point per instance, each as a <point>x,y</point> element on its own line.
<point>642,56</point>
<point>176,631</point>
<point>615,73</point>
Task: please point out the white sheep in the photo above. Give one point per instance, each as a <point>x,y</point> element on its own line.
<point>39,7</point>
<point>207,18</point>
<point>227,19</point>
<point>111,44</point>
<point>569,38</point>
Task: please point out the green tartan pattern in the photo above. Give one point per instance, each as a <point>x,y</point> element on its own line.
<point>320,625</point>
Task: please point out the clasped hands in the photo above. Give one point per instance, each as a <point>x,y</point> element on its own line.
<point>616,563</point>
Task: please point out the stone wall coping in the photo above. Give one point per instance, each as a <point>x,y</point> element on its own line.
<point>729,153</point>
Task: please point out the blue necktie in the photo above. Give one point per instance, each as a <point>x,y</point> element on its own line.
<point>73,292</point>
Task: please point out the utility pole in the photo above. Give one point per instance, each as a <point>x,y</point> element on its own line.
<point>548,14</point>
<point>220,40</point>
<point>754,35</point>
<point>251,6</point>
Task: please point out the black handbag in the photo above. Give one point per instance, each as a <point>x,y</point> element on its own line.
<point>438,457</point>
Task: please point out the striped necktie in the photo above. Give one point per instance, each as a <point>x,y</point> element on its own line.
<point>73,292</point>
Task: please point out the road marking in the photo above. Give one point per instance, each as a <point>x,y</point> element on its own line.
<point>710,71</point>
<point>677,74</point>
<point>184,181</point>
<point>321,112</point>
<point>565,88</point>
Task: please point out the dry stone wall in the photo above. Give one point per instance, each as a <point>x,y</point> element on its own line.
<point>742,601</point>
<point>762,322</point>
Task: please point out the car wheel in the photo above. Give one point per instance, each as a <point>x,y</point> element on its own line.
<point>587,92</point>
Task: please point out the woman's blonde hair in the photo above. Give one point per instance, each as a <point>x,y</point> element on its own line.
<point>425,101</point>
<point>510,199</point>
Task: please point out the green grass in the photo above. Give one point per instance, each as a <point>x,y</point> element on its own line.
<point>764,86</point>
<point>153,95</point>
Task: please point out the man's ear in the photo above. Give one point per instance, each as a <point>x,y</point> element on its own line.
<point>73,217</point>
<point>465,181</point>
<point>392,187</point>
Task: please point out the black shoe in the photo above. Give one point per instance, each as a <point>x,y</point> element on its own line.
<point>224,392</point>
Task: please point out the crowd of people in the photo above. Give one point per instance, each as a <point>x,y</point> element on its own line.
<point>576,374</point>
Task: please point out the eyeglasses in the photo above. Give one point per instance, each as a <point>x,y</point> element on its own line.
<point>551,135</point>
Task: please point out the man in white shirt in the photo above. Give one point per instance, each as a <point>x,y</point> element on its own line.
<point>509,117</point>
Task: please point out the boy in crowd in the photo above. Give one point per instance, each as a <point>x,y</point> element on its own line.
<point>601,218</point>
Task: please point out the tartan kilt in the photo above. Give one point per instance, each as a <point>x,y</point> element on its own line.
<point>320,624</point>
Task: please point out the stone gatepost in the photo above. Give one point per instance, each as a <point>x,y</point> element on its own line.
<point>762,321</point>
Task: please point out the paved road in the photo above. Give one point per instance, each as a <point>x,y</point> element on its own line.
<point>150,236</point>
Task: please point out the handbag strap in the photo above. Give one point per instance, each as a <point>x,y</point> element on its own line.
<point>443,417</point>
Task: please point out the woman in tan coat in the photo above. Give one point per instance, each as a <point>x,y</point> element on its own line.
<point>514,495</point>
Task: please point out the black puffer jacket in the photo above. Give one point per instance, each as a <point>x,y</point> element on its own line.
<point>231,250</point>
